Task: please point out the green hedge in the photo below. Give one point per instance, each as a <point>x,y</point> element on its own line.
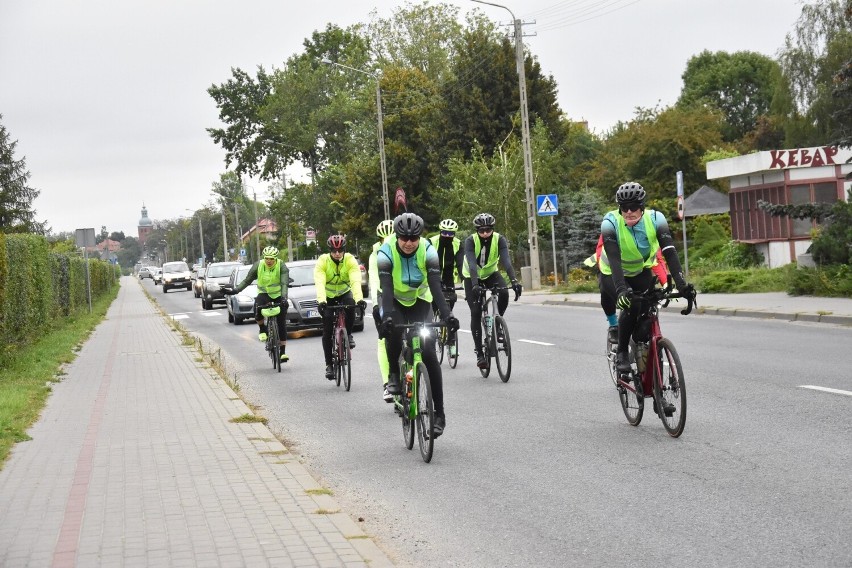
<point>38,287</point>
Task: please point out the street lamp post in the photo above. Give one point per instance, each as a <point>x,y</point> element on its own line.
<point>380,130</point>
<point>201,238</point>
<point>532,224</point>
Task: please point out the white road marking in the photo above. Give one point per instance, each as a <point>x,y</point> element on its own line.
<point>180,316</point>
<point>536,342</point>
<point>826,389</point>
<point>210,314</point>
<point>464,331</point>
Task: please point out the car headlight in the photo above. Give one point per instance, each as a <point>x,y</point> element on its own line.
<point>243,299</point>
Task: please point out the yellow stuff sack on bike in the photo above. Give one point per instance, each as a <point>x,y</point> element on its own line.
<point>271,312</point>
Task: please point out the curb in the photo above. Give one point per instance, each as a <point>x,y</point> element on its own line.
<point>730,312</point>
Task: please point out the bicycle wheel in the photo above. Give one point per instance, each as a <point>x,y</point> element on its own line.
<point>502,348</point>
<point>425,413</point>
<point>669,388</point>
<point>406,401</point>
<point>440,338</point>
<point>346,364</point>
<point>453,349</point>
<point>274,345</point>
<point>337,358</point>
<point>632,401</point>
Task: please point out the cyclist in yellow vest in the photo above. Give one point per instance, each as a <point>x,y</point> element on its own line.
<point>384,231</point>
<point>337,277</point>
<point>483,250</point>
<point>410,277</point>
<point>273,278</point>
<point>450,257</point>
<point>632,235</point>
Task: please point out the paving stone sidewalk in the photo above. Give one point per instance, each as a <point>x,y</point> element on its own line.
<point>135,462</point>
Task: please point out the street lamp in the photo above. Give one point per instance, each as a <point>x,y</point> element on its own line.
<point>201,238</point>
<point>532,224</point>
<point>380,129</point>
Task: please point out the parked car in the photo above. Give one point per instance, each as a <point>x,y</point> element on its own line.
<point>157,275</point>
<point>145,272</point>
<point>217,275</point>
<point>365,281</point>
<point>176,275</point>
<point>303,312</point>
<point>198,282</point>
<point>241,306</point>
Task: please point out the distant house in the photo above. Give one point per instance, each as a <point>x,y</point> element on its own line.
<point>267,228</point>
<point>706,201</point>
<point>781,177</point>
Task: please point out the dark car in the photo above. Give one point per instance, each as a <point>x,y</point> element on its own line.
<point>303,312</point>
<point>365,281</point>
<point>241,306</point>
<point>217,275</point>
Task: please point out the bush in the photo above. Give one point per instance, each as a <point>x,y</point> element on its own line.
<point>741,281</point>
<point>834,281</point>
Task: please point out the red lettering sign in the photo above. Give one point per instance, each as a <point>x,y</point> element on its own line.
<point>802,157</point>
<point>777,159</point>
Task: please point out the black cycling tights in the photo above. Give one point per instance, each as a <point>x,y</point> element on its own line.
<point>328,322</point>
<point>263,298</point>
<point>420,311</point>
<point>476,310</point>
<point>627,320</point>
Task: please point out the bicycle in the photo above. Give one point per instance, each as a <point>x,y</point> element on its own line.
<point>415,405</point>
<point>445,340</point>
<point>341,353</point>
<point>270,312</point>
<point>495,334</point>
<point>656,369</point>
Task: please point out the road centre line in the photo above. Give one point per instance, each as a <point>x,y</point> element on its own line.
<point>826,389</point>
<point>536,342</point>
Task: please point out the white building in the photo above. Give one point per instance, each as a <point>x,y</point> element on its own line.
<point>781,177</point>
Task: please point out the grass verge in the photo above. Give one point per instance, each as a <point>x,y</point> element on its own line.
<point>27,376</point>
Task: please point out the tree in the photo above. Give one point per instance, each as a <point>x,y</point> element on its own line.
<point>16,197</point>
<point>654,146</point>
<point>578,224</point>
<point>741,84</point>
<point>842,132</point>
<point>129,253</point>
<point>818,46</point>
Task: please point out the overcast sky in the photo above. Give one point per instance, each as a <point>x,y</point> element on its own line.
<point>107,99</point>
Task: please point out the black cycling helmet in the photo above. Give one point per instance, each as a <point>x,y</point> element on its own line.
<point>408,225</point>
<point>484,220</point>
<point>630,192</point>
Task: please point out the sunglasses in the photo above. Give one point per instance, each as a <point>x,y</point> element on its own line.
<point>408,238</point>
<point>336,251</point>
<point>447,234</point>
<point>630,207</point>
<point>484,230</point>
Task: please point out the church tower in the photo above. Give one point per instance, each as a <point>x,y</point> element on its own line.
<point>145,226</point>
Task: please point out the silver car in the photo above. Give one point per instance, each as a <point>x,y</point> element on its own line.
<point>217,275</point>
<point>241,306</point>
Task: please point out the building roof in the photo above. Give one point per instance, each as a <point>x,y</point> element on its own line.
<point>706,201</point>
<point>264,226</point>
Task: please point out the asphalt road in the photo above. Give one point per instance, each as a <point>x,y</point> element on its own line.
<point>545,471</point>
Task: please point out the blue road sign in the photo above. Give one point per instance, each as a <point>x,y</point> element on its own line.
<point>547,205</point>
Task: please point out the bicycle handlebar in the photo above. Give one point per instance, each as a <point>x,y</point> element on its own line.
<point>496,289</point>
<point>664,295</point>
<point>273,303</point>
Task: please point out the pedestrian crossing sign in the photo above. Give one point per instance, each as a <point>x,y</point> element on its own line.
<point>547,205</point>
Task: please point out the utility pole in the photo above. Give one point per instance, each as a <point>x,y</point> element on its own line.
<point>224,236</point>
<point>532,224</point>
<point>256,228</point>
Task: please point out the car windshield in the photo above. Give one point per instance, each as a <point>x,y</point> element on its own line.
<point>219,271</point>
<point>242,272</point>
<point>171,267</point>
<point>302,275</point>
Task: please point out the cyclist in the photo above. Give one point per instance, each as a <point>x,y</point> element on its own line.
<point>450,257</point>
<point>384,230</point>
<point>607,303</point>
<point>482,251</point>
<point>272,277</point>
<point>631,236</point>
<point>337,277</point>
<point>410,277</point>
